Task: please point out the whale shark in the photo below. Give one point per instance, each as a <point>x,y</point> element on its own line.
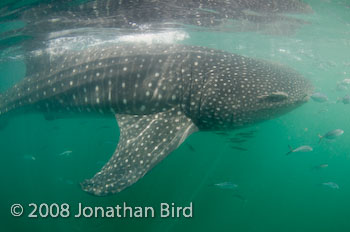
<point>130,14</point>
<point>159,94</point>
<point>43,20</point>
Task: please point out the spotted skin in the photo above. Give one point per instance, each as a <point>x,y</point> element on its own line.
<point>49,19</point>
<point>160,94</point>
<point>53,16</point>
<point>145,140</point>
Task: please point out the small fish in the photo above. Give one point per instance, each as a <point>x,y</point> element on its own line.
<point>324,110</point>
<point>331,134</point>
<point>239,196</point>
<point>323,165</point>
<point>245,133</point>
<point>319,97</point>
<point>239,148</point>
<point>331,185</point>
<point>345,82</point>
<point>237,140</point>
<point>29,157</point>
<point>319,167</point>
<point>223,133</point>
<point>304,148</point>
<point>341,87</point>
<point>226,185</point>
<point>190,147</point>
<point>345,99</point>
<point>65,153</point>
<point>248,136</point>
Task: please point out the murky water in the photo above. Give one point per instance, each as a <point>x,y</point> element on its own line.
<point>44,161</point>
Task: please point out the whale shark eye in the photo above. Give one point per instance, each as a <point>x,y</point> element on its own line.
<point>274,97</point>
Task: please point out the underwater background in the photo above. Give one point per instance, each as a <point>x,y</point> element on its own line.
<point>44,161</point>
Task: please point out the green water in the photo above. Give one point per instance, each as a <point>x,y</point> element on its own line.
<point>277,192</point>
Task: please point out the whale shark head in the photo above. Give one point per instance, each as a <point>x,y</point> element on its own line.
<point>250,91</point>
<point>281,91</point>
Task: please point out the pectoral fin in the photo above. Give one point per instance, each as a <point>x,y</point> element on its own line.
<point>144,141</point>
